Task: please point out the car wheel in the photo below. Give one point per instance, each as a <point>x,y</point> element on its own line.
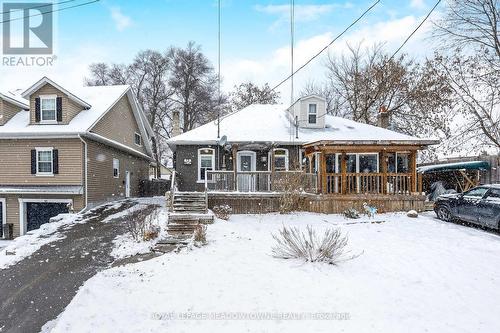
<point>443,213</point>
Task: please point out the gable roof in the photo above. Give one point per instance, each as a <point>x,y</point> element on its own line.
<point>270,123</point>
<point>15,100</point>
<point>101,98</point>
<point>45,80</point>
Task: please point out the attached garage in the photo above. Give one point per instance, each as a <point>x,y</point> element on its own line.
<point>35,212</point>
<point>41,213</point>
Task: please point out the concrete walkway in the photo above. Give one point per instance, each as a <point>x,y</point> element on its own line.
<point>38,288</point>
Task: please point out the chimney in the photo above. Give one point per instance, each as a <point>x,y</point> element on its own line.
<point>176,126</point>
<point>383,117</point>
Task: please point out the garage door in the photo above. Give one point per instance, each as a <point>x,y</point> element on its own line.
<point>40,213</point>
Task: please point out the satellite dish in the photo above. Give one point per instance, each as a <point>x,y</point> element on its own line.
<point>223,141</point>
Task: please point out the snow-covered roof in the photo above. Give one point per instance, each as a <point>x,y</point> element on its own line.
<point>270,123</point>
<point>45,80</point>
<point>14,99</point>
<point>102,98</point>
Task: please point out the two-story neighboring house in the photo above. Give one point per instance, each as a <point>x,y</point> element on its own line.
<point>66,151</point>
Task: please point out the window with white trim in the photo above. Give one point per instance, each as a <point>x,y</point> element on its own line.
<point>206,161</point>
<point>138,139</point>
<point>44,161</point>
<point>312,113</point>
<point>281,159</point>
<point>48,109</point>
<point>116,168</point>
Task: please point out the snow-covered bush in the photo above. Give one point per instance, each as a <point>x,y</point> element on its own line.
<point>200,234</point>
<point>142,225</point>
<point>293,243</point>
<point>351,213</point>
<point>222,211</point>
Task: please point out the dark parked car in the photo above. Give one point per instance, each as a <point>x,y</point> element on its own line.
<point>481,206</point>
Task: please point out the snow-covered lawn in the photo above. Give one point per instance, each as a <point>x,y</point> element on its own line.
<point>414,275</point>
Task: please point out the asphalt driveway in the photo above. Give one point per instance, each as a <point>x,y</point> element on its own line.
<point>38,288</point>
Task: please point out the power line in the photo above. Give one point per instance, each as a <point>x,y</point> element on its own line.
<point>414,31</point>
<point>327,46</point>
<point>404,43</point>
<point>39,6</point>
<point>51,11</point>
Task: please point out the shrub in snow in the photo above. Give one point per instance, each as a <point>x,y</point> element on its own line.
<point>141,225</point>
<point>222,212</point>
<point>200,234</point>
<point>293,243</point>
<point>351,213</point>
<point>290,186</point>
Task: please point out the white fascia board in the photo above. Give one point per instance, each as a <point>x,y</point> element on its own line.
<point>112,143</point>
<point>14,102</point>
<point>45,80</point>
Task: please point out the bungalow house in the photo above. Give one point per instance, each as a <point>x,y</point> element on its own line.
<point>341,163</point>
<point>65,150</point>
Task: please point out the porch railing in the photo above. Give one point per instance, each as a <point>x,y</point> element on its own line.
<point>260,181</point>
<point>368,183</point>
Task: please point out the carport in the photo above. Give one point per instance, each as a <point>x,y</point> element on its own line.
<point>460,176</point>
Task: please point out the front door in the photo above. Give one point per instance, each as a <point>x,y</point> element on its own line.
<point>246,165</point>
<point>127,184</point>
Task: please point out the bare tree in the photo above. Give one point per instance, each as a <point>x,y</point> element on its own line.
<point>473,67</point>
<point>194,83</point>
<point>148,75</point>
<point>472,24</point>
<point>362,81</point>
<point>248,93</point>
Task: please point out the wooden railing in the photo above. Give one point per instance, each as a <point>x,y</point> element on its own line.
<point>260,181</point>
<point>367,183</point>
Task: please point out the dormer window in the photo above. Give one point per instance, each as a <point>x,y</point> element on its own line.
<point>48,113</point>
<point>312,114</point>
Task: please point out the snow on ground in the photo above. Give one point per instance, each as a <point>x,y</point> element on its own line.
<point>4,243</point>
<point>126,246</point>
<point>25,245</point>
<point>414,275</point>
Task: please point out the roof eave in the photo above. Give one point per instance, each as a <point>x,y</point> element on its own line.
<point>27,93</point>
<point>14,102</point>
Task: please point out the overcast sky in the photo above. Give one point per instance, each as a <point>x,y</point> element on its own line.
<point>255,35</point>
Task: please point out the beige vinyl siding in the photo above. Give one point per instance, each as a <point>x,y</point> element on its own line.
<point>102,186</point>
<point>69,108</point>
<point>15,165</point>
<point>7,111</point>
<point>119,124</point>
<point>12,206</point>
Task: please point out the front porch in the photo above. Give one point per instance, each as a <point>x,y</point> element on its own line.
<point>331,178</point>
